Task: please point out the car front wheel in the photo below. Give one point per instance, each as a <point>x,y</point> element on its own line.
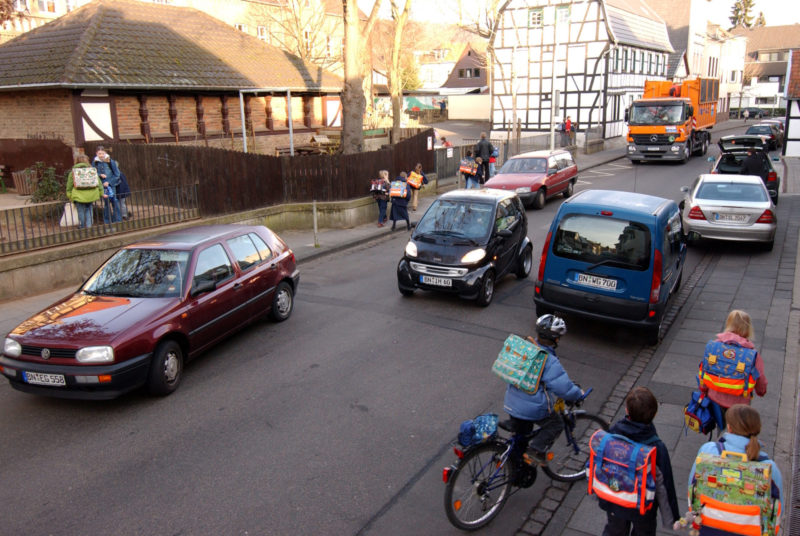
<point>486,292</point>
<point>166,369</point>
<point>282,302</point>
<point>538,201</point>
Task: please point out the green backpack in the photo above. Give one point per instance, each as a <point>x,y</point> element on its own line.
<point>735,495</point>
<point>521,363</point>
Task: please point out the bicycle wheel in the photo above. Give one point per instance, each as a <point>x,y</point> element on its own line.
<point>564,463</point>
<point>478,488</point>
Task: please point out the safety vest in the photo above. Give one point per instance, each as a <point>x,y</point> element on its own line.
<point>398,189</point>
<point>728,368</point>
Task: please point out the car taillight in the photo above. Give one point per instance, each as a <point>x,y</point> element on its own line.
<point>543,260</point>
<point>772,176</point>
<point>696,214</point>
<point>655,286</point>
<point>766,217</point>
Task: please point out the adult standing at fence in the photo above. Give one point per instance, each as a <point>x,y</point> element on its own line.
<point>483,149</point>
<point>123,193</point>
<point>568,129</point>
<point>83,198</point>
<point>108,171</point>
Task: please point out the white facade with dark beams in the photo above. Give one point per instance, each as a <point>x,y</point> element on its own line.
<point>604,50</point>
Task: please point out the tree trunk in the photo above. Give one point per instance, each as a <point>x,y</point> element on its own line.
<point>356,68</point>
<point>395,80</point>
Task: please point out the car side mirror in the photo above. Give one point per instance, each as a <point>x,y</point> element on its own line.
<point>627,114</point>
<point>505,233</point>
<point>685,189</point>
<point>773,194</point>
<point>552,171</point>
<point>202,285</point>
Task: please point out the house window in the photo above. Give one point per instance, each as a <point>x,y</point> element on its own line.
<point>48,6</point>
<point>20,5</point>
<point>562,14</point>
<point>658,64</point>
<point>261,33</point>
<point>71,5</point>
<point>650,63</point>
<point>307,41</point>
<point>241,27</point>
<point>465,73</point>
<point>625,61</point>
<point>616,60</point>
<point>328,47</point>
<point>535,18</point>
<point>476,73</point>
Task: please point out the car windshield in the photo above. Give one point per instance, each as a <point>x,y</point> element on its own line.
<point>656,114</point>
<point>142,273</point>
<point>525,165</point>
<point>759,130</point>
<point>723,191</point>
<point>603,240</point>
<point>468,219</point>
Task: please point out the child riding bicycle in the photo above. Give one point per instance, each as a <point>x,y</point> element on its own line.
<point>527,409</point>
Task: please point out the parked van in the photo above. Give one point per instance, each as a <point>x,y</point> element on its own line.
<point>614,256</point>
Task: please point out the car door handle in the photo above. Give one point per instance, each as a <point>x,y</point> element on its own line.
<point>238,286</point>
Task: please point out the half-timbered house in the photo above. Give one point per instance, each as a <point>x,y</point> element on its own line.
<point>602,50</point>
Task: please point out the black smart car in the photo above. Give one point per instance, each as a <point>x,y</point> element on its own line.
<point>466,241</point>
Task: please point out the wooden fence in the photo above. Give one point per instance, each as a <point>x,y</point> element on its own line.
<point>231,181</point>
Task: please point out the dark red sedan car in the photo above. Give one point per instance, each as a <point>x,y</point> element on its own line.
<point>150,308</point>
<point>537,176</point>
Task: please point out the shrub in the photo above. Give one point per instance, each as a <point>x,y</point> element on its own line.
<point>48,187</point>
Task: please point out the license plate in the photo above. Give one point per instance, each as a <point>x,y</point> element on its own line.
<point>598,282</point>
<point>654,148</point>
<point>39,378</point>
<point>732,218</point>
<point>437,281</point>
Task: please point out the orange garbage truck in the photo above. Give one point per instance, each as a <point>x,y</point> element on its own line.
<point>672,121</point>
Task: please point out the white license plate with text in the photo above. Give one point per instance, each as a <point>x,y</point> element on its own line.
<point>437,281</point>
<point>732,218</point>
<point>39,378</point>
<point>597,282</point>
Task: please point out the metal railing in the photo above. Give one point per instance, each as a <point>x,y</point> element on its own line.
<point>45,225</point>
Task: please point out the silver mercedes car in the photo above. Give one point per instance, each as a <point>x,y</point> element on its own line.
<point>729,207</point>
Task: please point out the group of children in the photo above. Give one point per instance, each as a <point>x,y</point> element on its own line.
<point>740,427</point>
<point>734,488</point>
<point>403,193</point>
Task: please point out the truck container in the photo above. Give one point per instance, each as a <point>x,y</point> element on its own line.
<point>672,121</point>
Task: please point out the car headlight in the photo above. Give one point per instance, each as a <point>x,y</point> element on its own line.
<point>411,249</point>
<point>675,148</point>
<point>631,148</point>
<point>95,354</point>
<point>12,348</point>
<point>473,256</point>
<point>523,190</point>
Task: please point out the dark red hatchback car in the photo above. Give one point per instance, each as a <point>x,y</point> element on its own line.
<point>150,308</point>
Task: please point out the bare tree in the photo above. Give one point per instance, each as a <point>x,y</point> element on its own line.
<point>7,10</point>
<point>395,79</point>
<point>356,69</point>
<point>305,29</point>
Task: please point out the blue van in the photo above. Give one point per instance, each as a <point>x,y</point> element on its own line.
<point>615,256</point>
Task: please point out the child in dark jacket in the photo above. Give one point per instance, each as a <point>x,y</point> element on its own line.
<point>640,408</point>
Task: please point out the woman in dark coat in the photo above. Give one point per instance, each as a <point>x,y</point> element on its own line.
<point>400,204</point>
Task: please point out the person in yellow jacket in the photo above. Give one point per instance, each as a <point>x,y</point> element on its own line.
<point>83,198</point>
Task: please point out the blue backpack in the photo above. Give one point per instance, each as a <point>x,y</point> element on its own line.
<point>477,430</point>
<point>622,471</point>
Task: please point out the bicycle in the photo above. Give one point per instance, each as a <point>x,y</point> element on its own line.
<point>479,483</point>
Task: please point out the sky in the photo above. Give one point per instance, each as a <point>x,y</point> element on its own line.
<point>776,12</point>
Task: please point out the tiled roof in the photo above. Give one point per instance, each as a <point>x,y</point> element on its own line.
<point>135,45</point>
<point>632,22</point>
<point>770,37</point>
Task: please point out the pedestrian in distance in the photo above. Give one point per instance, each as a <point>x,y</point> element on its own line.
<point>562,132</point>
<point>108,171</point>
<point>741,436</point>
<point>746,115</point>
<point>380,193</point>
<point>641,407</point>
<point>732,370</point>
<point>469,177</point>
<point>527,409</point>
<point>446,143</point>
<point>415,188</point>
<point>83,198</point>
<point>484,150</point>
<point>400,193</point>
<point>568,130</point>
<point>753,164</point>
<point>123,193</point>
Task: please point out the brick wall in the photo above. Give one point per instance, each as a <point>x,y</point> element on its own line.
<point>37,115</point>
<point>794,75</point>
<point>128,116</point>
